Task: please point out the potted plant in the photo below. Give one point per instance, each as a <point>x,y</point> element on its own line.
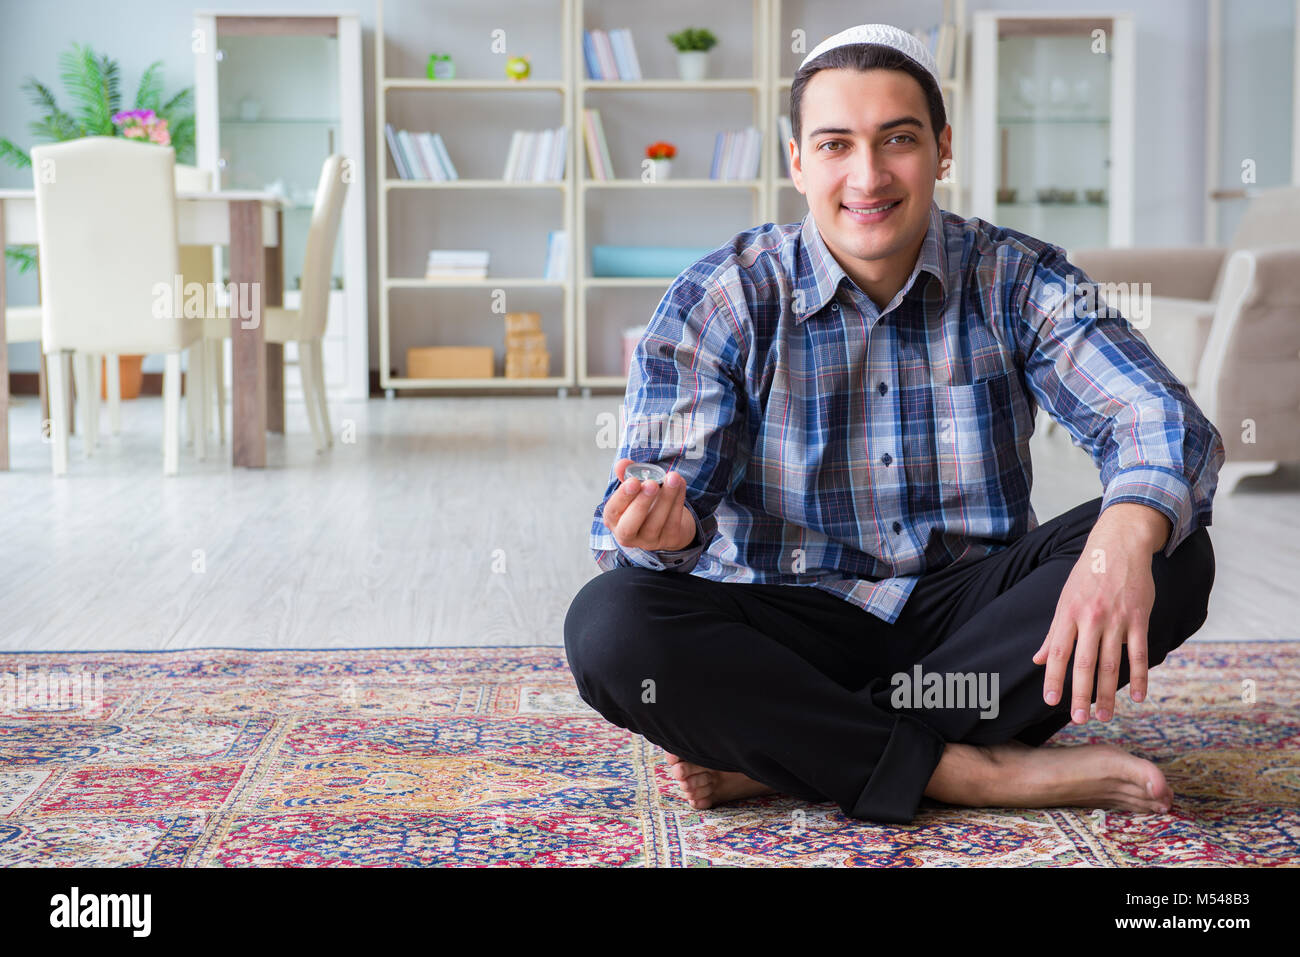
<point>661,156</point>
<point>94,84</point>
<point>693,46</point>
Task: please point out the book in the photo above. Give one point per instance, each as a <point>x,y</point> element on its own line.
<point>412,156</point>
<point>395,152</point>
<point>786,133</point>
<point>429,153</point>
<point>630,47</point>
<point>597,148</point>
<point>446,157</point>
<point>557,254</point>
<point>589,55</point>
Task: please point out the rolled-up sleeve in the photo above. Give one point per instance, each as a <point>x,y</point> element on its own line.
<point>684,411</point>
<point>1097,375</point>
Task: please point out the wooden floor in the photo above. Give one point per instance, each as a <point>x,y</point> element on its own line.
<point>449,521</point>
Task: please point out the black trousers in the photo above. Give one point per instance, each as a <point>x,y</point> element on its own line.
<point>797,688</point>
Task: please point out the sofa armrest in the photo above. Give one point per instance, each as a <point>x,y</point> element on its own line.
<point>1179,272</point>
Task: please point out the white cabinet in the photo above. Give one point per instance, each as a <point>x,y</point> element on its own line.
<point>275,95</point>
<point>1052,124</point>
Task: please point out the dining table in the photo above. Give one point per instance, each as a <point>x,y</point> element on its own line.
<point>250,223</point>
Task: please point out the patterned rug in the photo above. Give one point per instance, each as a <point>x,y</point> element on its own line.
<point>487,756</point>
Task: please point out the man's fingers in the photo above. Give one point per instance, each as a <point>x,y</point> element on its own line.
<point>661,504</point>
<point>1137,660</point>
<point>1085,666</point>
<point>1111,655</point>
<point>1060,641</point>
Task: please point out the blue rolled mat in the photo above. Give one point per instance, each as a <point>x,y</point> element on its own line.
<point>644,261</point>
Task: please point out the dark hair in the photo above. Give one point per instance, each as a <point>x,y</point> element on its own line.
<point>863,57</point>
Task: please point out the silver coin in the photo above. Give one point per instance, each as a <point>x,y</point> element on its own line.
<point>644,472</point>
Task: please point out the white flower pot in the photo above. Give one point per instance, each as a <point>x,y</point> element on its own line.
<point>660,169</point>
<point>692,65</point>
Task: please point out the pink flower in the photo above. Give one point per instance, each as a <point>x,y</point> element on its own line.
<point>133,132</point>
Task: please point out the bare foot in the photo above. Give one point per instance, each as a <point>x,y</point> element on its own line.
<point>704,787</point>
<point>1013,775</point>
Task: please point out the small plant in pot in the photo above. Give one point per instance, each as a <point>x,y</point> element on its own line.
<point>660,156</point>
<point>693,46</point>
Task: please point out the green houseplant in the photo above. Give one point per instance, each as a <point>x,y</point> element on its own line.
<point>693,46</point>
<point>93,83</point>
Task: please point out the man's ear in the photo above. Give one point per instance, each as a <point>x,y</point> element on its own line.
<point>945,152</point>
<point>796,167</point>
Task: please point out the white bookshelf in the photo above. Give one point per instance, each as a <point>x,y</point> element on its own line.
<point>761,91</point>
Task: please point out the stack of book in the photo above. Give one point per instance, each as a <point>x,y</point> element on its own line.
<point>419,155</point>
<point>557,254</point>
<point>736,153</point>
<point>536,156</point>
<point>610,56</point>
<point>526,353</point>
<point>457,264</point>
<point>941,39</point>
<point>597,149</point>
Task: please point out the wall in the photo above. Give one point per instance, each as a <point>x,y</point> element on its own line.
<point>1170,117</point>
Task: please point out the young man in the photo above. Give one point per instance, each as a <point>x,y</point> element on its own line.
<point>841,591</point>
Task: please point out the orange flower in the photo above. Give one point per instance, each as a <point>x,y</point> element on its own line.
<point>661,150</point>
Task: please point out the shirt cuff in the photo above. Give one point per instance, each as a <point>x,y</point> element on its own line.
<point>679,560</point>
<point>1164,489</point>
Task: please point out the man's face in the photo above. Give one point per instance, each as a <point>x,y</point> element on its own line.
<point>867,142</point>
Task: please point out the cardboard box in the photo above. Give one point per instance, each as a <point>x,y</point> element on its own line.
<point>523,322</point>
<point>525,342</point>
<point>528,365</point>
<point>449,362</point>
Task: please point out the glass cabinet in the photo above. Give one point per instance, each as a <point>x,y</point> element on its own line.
<point>1052,121</point>
<point>277,95</point>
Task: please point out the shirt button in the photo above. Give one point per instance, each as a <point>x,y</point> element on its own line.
<point>883,388</point>
<point>886,458</point>
<point>898,527</point>
<point>835,307</point>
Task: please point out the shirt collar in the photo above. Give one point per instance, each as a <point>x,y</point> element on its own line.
<point>818,273</point>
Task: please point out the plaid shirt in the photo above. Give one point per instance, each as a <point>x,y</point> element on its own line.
<point>829,443</point>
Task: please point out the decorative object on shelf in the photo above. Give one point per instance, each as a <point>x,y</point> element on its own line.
<point>661,156</point>
<point>1054,195</point>
<point>610,56</point>
<point>440,67</point>
<point>1097,196</point>
<point>518,68</point>
<point>526,353</point>
<point>693,46</point>
<point>250,109</point>
<point>131,375</point>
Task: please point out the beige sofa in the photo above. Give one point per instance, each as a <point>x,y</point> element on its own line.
<point>1226,321</point>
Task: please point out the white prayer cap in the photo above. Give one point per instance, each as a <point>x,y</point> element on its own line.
<point>885,35</point>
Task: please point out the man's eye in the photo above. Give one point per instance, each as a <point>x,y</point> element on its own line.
<point>903,136</point>
<point>831,143</point>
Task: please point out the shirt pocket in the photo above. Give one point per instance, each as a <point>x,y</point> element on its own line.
<point>981,441</point>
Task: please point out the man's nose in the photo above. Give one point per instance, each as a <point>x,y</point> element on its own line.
<point>869,174</point>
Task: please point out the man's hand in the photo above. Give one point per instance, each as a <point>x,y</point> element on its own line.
<point>641,515</point>
<point>1105,604</point>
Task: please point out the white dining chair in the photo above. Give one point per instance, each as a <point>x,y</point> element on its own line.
<point>306,324</point>
<point>106,225</point>
<point>197,266</point>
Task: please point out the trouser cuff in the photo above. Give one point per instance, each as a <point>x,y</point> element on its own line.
<point>898,783</point>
